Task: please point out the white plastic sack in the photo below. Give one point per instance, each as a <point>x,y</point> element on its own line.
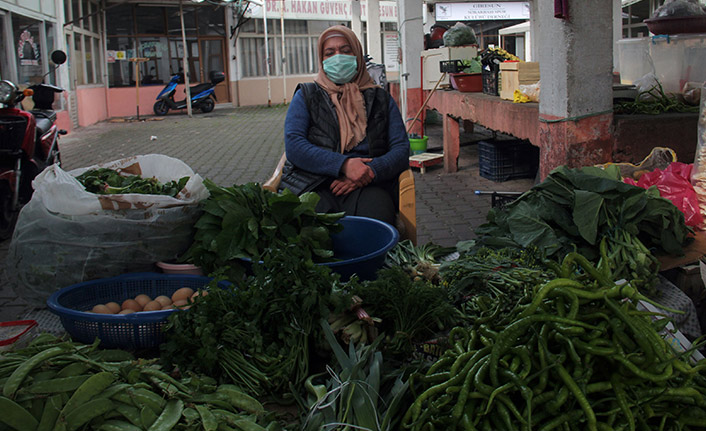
<point>62,193</point>
<point>66,235</point>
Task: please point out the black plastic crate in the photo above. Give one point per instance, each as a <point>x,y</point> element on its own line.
<point>491,79</point>
<point>451,66</point>
<point>502,160</point>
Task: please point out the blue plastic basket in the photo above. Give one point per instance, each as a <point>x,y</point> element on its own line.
<point>125,331</point>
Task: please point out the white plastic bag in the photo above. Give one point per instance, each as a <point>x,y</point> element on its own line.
<point>66,235</point>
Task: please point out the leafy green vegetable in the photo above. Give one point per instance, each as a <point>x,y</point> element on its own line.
<point>242,221</point>
<point>358,394</point>
<point>257,334</point>
<point>411,311</point>
<point>106,181</point>
<point>575,209</point>
<point>489,284</point>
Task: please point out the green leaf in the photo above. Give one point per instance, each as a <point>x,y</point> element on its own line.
<point>586,209</point>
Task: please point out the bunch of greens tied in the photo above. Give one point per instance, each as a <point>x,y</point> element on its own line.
<point>590,210</point>
<point>243,221</point>
<point>104,181</point>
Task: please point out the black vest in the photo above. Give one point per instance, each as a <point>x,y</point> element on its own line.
<point>324,131</point>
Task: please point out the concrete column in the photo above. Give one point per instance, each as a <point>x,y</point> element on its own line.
<point>374,43</point>
<point>617,32</point>
<point>356,24</point>
<point>410,27</point>
<point>576,64</point>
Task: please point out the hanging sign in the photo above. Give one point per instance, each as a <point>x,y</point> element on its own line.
<point>481,11</point>
<point>391,50</point>
<point>323,10</point>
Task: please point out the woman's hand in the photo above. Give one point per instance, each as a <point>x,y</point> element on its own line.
<point>355,170</point>
<point>342,186</point>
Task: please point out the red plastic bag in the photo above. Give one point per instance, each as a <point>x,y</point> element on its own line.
<point>674,184</point>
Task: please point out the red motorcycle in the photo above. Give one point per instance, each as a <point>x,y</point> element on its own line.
<point>28,143</point>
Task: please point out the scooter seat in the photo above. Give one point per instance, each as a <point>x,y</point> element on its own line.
<point>44,113</point>
<point>196,89</point>
<point>43,125</point>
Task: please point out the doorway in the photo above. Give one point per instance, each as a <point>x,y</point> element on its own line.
<point>203,55</point>
<point>212,60</point>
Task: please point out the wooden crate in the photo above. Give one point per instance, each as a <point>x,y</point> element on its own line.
<point>514,73</point>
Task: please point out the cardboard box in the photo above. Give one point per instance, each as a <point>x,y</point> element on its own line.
<point>516,73</point>
<point>431,73</point>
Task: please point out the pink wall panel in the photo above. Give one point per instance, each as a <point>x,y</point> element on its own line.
<point>92,106</point>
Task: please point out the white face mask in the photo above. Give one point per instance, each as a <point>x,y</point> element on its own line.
<point>341,68</point>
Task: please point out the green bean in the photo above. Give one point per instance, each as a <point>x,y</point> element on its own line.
<point>21,372</point>
<point>16,416</point>
<point>562,419</point>
<point>579,396</point>
<point>517,328</point>
<point>169,416</point>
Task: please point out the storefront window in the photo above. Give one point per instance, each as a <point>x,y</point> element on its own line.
<point>150,20</point>
<point>211,22</point>
<point>28,49</point>
<point>51,46</point>
<point>80,77</point>
<point>156,69</point>
<point>75,11</point>
<point>94,18</point>
<point>120,74</point>
<point>174,21</point>
<point>89,61</point>
<point>120,21</point>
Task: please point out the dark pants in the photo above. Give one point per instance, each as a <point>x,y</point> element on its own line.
<point>374,201</point>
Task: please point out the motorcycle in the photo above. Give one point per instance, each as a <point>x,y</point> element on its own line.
<point>28,143</point>
<point>203,95</point>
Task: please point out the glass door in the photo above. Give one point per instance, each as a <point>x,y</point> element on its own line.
<point>213,60</point>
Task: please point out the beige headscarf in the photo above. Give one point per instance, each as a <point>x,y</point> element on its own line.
<point>347,98</point>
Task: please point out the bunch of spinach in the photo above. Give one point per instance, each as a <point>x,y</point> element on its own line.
<point>242,221</point>
<point>257,334</point>
<point>590,210</point>
<point>106,181</point>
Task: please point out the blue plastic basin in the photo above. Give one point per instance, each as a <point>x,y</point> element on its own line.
<point>361,246</point>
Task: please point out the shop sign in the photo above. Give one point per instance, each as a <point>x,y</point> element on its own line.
<point>480,11</point>
<point>391,50</point>
<point>110,56</point>
<point>326,10</point>
<point>28,50</point>
<point>120,55</point>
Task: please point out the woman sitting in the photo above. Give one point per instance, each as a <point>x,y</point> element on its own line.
<point>344,136</point>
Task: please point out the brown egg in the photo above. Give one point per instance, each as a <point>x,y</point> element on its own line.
<point>199,293</point>
<point>114,307</point>
<point>168,307</point>
<point>131,304</point>
<point>152,306</point>
<point>101,309</point>
<point>182,293</point>
<point>164,300</point>
<point>181,303</point>
<point>142,299</point>
<point>126,311</point>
